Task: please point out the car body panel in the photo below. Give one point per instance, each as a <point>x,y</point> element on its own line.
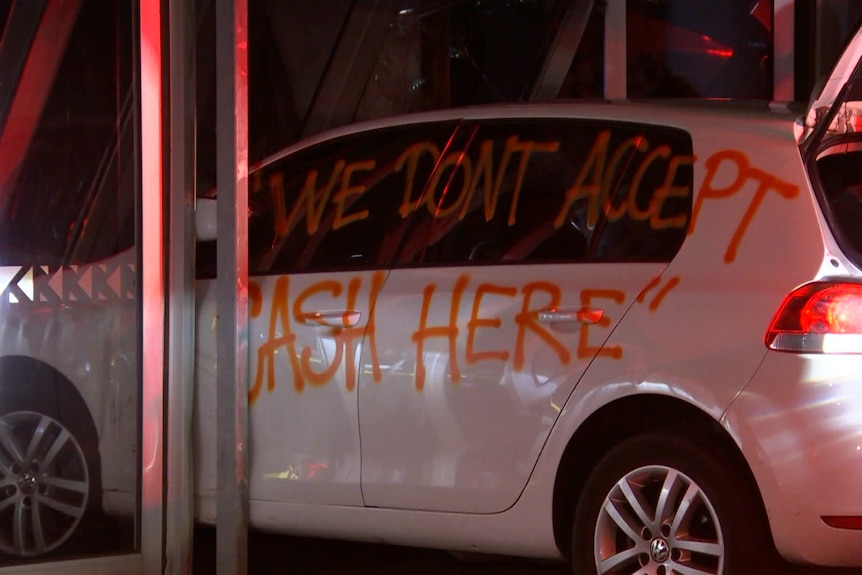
<point>800,423</point>
<point>459,427</point>
<point>305,335</point>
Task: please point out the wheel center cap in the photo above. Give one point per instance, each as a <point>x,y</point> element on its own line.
<point>659,549</point>
<point>27,483</point>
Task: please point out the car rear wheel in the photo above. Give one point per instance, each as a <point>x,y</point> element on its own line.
<point>658,504</point>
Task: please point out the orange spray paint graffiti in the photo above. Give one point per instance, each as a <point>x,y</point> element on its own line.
<point>599,175</point>
<point>482,172</point>
<point>535,297</point>
<point>449,331</point>
<point>526,320</point>
<point>594,182</point>
<point>735,159</point>
<point>585,350</point>
<point>281,334</point>
<point>475,323</point>
<point>660,295</point>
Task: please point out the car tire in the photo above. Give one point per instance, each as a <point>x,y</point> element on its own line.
<point>50,469</point>
<point>659,502</point>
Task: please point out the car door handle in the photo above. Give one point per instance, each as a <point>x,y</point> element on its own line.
<point>582,315</point>
<point>343,318</point>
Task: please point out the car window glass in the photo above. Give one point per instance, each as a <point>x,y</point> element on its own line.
<point>650,206</point>
<point>340,204</point>
<point>554,190</point>
<point>500,201</point>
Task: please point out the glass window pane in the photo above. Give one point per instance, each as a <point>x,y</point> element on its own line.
<point>69,302</point>
<point>448,54</point>
<point>586,76</point>
<point>500,201</point>
<point>651,199</point>
<point>699,49</point>
<point>823,27</point>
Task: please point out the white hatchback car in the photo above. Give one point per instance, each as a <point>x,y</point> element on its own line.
<point>628,335</point>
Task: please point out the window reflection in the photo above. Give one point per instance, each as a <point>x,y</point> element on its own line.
<point>699,48</point>
<point>586,76</point>
<point>448,54</point>
<point>69,420</point>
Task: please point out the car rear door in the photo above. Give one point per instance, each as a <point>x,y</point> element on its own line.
<point>533,239</point>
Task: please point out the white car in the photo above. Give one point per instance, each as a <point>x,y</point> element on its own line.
<point>628,335</point>
<point>625,334</point>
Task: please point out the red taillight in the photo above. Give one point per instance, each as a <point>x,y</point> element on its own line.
<point>821,317</point>
<point>836,309</point>
<point>843,521</point>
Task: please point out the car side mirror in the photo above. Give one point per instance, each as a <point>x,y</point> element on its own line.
<point>206,219</point>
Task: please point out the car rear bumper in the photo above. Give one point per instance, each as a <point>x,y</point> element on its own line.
<point>799,425</point>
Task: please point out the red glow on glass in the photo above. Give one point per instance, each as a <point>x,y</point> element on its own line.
<point>152,278</point>
<point>34,86</point>
<point>762,12</point>
<point>721,53</point>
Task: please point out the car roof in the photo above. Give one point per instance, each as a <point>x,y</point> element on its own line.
<point>690,115</point>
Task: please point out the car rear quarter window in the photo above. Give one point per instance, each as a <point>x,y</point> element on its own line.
<point>544,191</point>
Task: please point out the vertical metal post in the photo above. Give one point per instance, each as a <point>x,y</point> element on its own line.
<point>562,51</point>
<point>616,78</point>
<point>351,64</point>
<point>152,286</point>
<point>181,289</point>
<point>783,50</point>
<point>232,285</point>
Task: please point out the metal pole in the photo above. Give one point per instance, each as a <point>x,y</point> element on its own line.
<point>232,285</point>
<point>351,64</point>
<point>562,51</point>
<point>179,507</point>
<point>783,53</point>
<point>616,79</point>
<point>152,254</point>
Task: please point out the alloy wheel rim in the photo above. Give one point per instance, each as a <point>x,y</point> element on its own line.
<point>44,484</point>
<point>657,520</point>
